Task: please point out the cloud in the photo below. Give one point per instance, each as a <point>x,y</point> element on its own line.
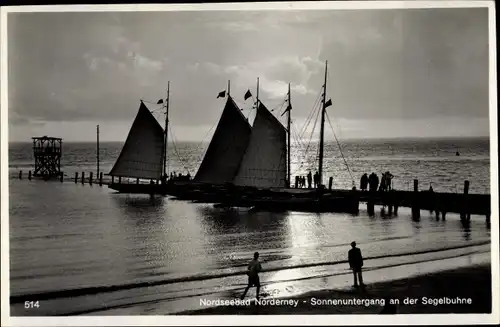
<point>383,64</point>
<point>275,74</point>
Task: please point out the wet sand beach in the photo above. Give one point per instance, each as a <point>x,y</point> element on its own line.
<point>470,282</point>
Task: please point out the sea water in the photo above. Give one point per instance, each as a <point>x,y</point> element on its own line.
<point>81,249</point>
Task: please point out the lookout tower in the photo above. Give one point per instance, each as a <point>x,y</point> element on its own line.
<point>47,152</point>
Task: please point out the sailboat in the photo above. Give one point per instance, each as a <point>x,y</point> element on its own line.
<point>144,154</point>
<point>264,164</point>
<point>263,178</point>
<point>227,147</point>
<point>240,157</point>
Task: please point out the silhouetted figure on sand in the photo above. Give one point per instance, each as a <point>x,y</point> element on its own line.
<point>253,275</point>
<point>363,184</point>
<point>356,263</point>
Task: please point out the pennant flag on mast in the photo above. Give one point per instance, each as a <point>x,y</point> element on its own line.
<point>222,94</point>
<point>248,95</point>
<point>288,108</point>
<point>160,101</point>
<point>328,103</point>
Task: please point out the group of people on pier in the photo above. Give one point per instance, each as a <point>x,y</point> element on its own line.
<point>371,182</point>
<point>308,181</point>
<point>180,177</point>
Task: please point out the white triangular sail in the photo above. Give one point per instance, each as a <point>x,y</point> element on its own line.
<point>225,152</point>
<point>264,162</point>
<point>142,153</point>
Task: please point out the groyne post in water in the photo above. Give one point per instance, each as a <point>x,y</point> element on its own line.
<point>370,204</point>
<point>83,177</point>
<point>390,202</point>
<point>415,207</point>
<point>100,179</point>
<point>20,174</point>
<point>464,214</point>
<point>76,177</point>
<point>29,175</point>
<point>330,183</point>
<point>91,177</point>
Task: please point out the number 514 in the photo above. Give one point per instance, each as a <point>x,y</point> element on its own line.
<point>31,304</point>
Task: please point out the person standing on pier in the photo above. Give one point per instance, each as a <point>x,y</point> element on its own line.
<point>316,180</point>
<point>309,179</point>
<point>364,182</point>
<point>254,268</point>
<point>356,263</point>
<point>388,180</point>
<point>373,182</point>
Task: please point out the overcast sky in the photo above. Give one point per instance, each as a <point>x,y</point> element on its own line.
<point>392,73</point>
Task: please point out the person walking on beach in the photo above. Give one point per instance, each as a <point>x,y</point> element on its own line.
<point>356,262</point>
<point>254,268</point>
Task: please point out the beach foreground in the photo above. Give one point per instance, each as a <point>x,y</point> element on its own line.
<point>472,283</point>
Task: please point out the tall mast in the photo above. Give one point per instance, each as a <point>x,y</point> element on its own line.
<point>322,132</point>
<point>167,104</point>
<point>289,124</point>
<point>228,88</point>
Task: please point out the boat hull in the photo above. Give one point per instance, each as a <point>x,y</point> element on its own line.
<point>139,188</point>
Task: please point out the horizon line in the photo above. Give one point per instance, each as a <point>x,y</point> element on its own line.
<point>402,138</point>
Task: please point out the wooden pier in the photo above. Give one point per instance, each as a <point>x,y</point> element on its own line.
<point>303,199</point>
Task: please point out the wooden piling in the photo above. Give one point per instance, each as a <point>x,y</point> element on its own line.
<point>76,177</point>
<point>370,204</point>
<point>396,210</point>
<point>443,215</point>
<point>437,215</point>
<point>83,177</point>
<point>29,175</point>
<point>415,208</point>
<point>119,179</point>
<point>20,174</point>
<point>330,183</point>
<point>100,179</point>
<point>137,181</point>
<point>91,177</point>
<point>463,215</point>
<point>389,209</point>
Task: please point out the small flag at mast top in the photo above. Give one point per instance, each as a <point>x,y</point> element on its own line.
<point>328,103</point>
<point>222,94</point>
<point>288,108</point>
<point>248,95</point>
<point>160,101</point>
